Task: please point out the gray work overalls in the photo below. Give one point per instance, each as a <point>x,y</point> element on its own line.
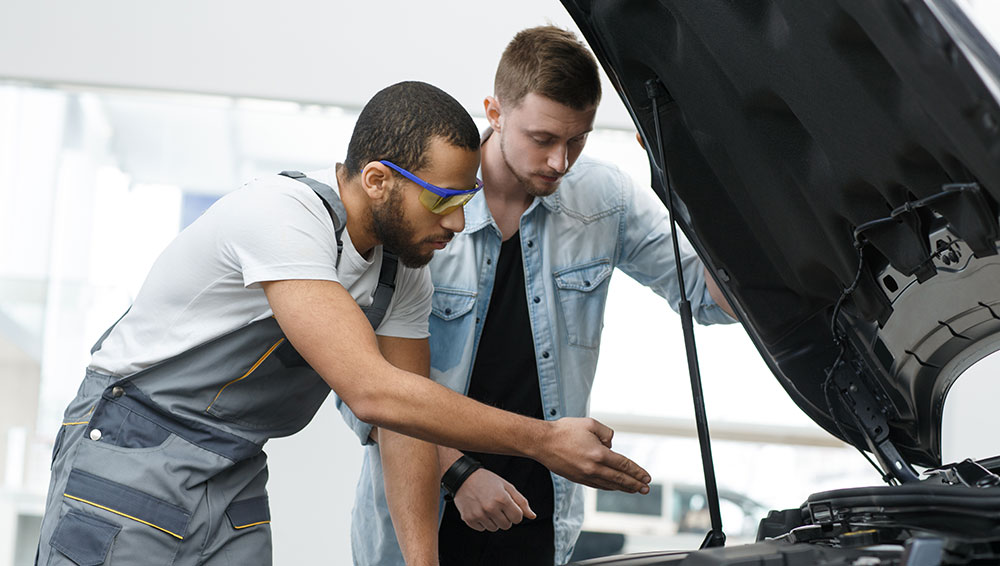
<point>166,465</point>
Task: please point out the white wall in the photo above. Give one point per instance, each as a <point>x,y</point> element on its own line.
<point>311,490</point>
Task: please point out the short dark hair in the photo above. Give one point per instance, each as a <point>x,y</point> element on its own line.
<point>549,61</point>
<point>399,121</point>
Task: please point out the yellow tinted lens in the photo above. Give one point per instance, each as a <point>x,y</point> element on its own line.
<point>443,205</point>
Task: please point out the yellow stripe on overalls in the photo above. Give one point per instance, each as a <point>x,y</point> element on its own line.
<point>123,515</point>
<point>81,422</point>
<point>251,370</point>
<point>251,525</point>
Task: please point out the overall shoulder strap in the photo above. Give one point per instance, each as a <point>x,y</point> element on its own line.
<point>329,197</point>
<point>383,292</point>
<point>100,341</point>
<point>387,271</point>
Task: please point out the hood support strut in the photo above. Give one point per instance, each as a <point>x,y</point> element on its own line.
<point>715,537</point>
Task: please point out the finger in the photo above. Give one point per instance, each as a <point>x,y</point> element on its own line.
<point>472,522</point>
<point>489,525</point>
<point>615,483</point>
<point>501,520</point>
<point>603,433</point>
<point>621,474</point>
<point>521,502</point>
<point>511,514</point>
<point>630,469</point>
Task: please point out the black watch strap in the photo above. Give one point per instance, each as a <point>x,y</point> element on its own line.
<point>457,474</point>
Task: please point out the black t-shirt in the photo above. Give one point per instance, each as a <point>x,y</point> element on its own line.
<point>505,375</point>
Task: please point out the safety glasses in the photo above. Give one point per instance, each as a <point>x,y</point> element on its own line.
<point>438,200</point>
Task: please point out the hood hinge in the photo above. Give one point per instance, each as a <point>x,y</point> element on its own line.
<point>857,397</point>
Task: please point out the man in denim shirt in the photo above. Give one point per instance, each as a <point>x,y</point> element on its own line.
<point>518,305</point>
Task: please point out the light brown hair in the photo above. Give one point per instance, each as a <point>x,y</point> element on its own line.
<point>551,62</point>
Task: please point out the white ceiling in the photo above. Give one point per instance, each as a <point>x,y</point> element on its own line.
<point>301,50</point>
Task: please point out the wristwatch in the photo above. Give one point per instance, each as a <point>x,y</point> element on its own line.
<point>457,474</point>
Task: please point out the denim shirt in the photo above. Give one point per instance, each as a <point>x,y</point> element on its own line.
<point>571,243</point>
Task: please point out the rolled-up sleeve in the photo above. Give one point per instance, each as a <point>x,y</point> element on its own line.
<point>647,254</point>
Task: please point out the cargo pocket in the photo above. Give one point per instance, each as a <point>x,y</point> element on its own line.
<point>249,513</point>
<point>582,293</point>
<point>84,539</point>
<point>151,530</point>
<point>251,523</point>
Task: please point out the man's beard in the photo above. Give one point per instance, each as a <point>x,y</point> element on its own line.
<point>395,233</point>
<point>525,182</point>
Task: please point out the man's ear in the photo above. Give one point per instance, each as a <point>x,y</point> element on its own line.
<point>493,112</point>
<point>376,181</point>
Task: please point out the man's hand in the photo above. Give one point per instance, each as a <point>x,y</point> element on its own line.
<point>487,502</point>
<point>579,449</point>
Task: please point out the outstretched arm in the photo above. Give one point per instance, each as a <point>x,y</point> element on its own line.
<point>322,321</point>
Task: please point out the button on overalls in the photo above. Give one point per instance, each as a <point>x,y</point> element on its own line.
<point>166,465</point>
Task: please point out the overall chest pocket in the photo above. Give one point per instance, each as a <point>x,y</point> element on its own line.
<point>278,391</point>
<point>583,292</point>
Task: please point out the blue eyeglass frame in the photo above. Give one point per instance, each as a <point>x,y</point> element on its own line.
<point>439,191</point>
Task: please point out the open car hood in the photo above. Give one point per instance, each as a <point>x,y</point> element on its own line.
<point>806,138</point>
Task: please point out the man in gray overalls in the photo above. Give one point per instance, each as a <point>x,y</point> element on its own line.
<point>281,291</point>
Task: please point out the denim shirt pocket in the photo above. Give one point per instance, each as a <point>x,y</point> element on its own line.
<point>582,294</point>
<point>450,304</point>
<point>452,324</point>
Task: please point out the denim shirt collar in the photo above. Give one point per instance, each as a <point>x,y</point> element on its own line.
<point>478,215</point>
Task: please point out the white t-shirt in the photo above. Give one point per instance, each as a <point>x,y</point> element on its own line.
<point>206,283</point>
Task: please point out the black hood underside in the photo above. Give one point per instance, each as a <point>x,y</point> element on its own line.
<point>816,145</point>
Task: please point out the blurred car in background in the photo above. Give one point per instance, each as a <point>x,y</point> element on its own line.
<point>671,516</point>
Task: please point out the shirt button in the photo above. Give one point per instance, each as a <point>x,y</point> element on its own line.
<point>489,261</point>
<point>117,392</point>
<point>95,434</point>
<point>477,320</point>
<point>545,355</point>
<point>447,311</point>
<point>530,243</point>
<point>537,300</point>
<point>552,412</point>
<point>586,283</point>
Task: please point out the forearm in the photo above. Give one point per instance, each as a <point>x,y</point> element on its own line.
<point>446,457</point>
<point>421,408</point>
<point>716,293</point>
<point>322,321</point>
<point>412,480</point>
<point>326,326</point>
